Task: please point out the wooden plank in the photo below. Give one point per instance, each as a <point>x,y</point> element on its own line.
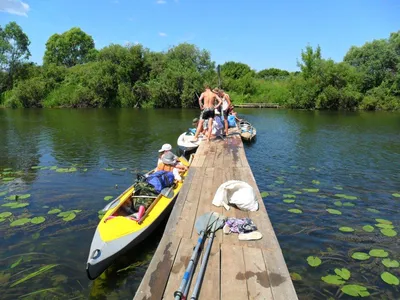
<point>233,285</point>
<point>256,275</point>
<point>156,277</point>
<point>180,264</point>
<point>187,218</point>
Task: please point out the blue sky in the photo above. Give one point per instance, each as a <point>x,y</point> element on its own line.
<point>260,33</point>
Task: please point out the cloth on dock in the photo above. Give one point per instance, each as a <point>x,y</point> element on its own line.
<point>245,227</point>
<point>236,192</point>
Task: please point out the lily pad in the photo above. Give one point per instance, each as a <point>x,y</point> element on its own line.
<point>314,261</point>
<point>315,182</point>
<point>36,167</point>
<point>109,169</point>
<point>333,279</point>
<point>18,197</point>
<point>344,273</point>
<point>344,196</point>
<point>346,229</point>
<point>384,226</point>
<point>355,290</point>
<point>295,276</point>
<point>349,204</point>
<point>5,214</point>
<point>368,228</point>
<point>360,256</point>
<point>288,200</point>
<point>383,221</point>
<point>108,198</point>
<point>295,211</point>
<point>264,194</point>
<point>15,204</point>
<point>279,181</point>
<point>389,263</point>
<point>333,211</point>
<point>389,232</point>
<point>3,193</point>
<point>311,190</point>
<point>7,169</point>
<point>338,203</point>
<point>338,187</point>
<point>289,196</point>
<point>2,220</point>
<point>397,195</point>
<point>389,278</point>
<point>373,210</point>
<point>297,192</point>
<point>16,263</point>
<point>378,253</point>
<point>53,168</point>
<point>54,211</point>
<point>123,169</point>
<point>38,220</point>
<point>70,217</point>
<point>20,222</point>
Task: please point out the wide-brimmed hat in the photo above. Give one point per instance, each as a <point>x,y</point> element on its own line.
<point>195,120</point>
<point>165,147</point>
<point>168,158</point>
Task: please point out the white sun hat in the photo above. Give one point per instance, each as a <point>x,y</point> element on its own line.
<point>165,147</point>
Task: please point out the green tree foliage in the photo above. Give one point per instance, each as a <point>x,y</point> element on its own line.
<point>14,50</point>
<point>75,74</point>
<point>70,48</point>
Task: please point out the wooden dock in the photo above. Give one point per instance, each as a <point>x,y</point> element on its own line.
<point>258,105</point>
<point>236,269</point>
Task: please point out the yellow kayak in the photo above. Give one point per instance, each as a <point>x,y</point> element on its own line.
<point>118,232</point>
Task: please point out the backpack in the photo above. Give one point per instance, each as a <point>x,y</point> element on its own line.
<point>160,180</point>
<point>231,121</point>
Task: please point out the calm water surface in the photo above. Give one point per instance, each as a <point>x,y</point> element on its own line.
<point>71,159</point>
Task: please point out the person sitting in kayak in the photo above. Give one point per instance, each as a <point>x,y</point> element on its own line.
<point>170,164</point>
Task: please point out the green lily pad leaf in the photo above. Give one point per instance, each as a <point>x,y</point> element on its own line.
<point>109,169</point>
<point>384,226</point>
<point>16,263</point>
<point>7,169</point>
<point>35,167</point>
<point>368,228</point>
<point>360,256</point>
<point>38,220</point>
<point>378,253</point>
<point>373,210</point>
<point>53,168</point>
<point>36,235</point>
<point>383,221</point>
<point>15,205</point>
<point>349,204</point>
<point>344,196</point>
<point>295,211</point>
<point>311,168</point>
<point>123,169</point>
<point>297,192</point>
<point>108,198</point>
<point>314,261</point>
<point>295,276</point>
<point>3,193</point>
<point>346,229</point>
<point>279,181</point>
<point>64,213</point>
<point>45,206</point>
<point>289,196</point>
<point>311,190</point>
<point>8,178</point>
<point>333,279</point>
<point>338,203</point>
<point>315,182</point>
<point>397,195</point>
<point>338,187</point>
<point>389,263</point>
<point>84,170</point>
<point>264,194</point>
<point>355,290</point>
<point>20,222</point>
<point>344,273</point>
<point>54,211</point>
<point>18,197</point>
<point>333,211</point>
<point>390,278</point>
<point>288,200</point>
<point>5,214</point>
<point>76,210</point>
<point>389,232</point>
<point>2,220</point>
<point>70,217</point>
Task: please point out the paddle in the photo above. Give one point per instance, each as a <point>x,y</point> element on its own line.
<point>202,225</point>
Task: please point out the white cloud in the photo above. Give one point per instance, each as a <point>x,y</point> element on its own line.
<point>162,34</point>
<point>14,7</point>
<point>161,2</point>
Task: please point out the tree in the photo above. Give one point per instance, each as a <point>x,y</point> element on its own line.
<point>272,73</point>
<point>235,70</point>
<point>71,48</point>
<point>14,50</point>
<point>310,60</point>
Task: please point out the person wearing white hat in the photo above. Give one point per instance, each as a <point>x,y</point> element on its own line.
<point>164,149</point>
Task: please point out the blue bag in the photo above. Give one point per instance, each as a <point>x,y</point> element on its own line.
<point>231,121</point>
<point>160,180</point>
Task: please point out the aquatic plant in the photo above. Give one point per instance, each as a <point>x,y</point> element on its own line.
<point>387,262</point>
<point>288,200</point>
<point>344,196</point>
<point>389,232</point>
<point>289,196</point>
<point>34,274</point>
<point>373,210</point>
<point>360,256</point>
<point>346,229</point>
<point>368,228</point>
<point>38,220</point>
<point>333,279</point>
<point>315,182</point>
<point>5,214</point>
<point>264,194</point>
<point>383,221</point>
<point>295,211</point>
<point>108,198</point>
<point>314,261</point>
<point>378,253</point>
<point>311,190</point>
<point>355,290</point>
<point>20,222</point>
<point>295,276</point>
<point>343,272</point>
<point>333,211</point>
<point>397,195</point>
<point>389,278</point>
<point>54,211</point>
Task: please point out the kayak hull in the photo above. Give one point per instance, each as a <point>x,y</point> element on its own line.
<point>185,142</point>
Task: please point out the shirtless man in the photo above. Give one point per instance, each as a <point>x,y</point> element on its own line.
<point>208,111</point>
<point>226,104</point>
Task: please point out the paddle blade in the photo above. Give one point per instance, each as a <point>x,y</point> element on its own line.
<point>205,222</point>
<point>167,192</point>
<point>110,205</point>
